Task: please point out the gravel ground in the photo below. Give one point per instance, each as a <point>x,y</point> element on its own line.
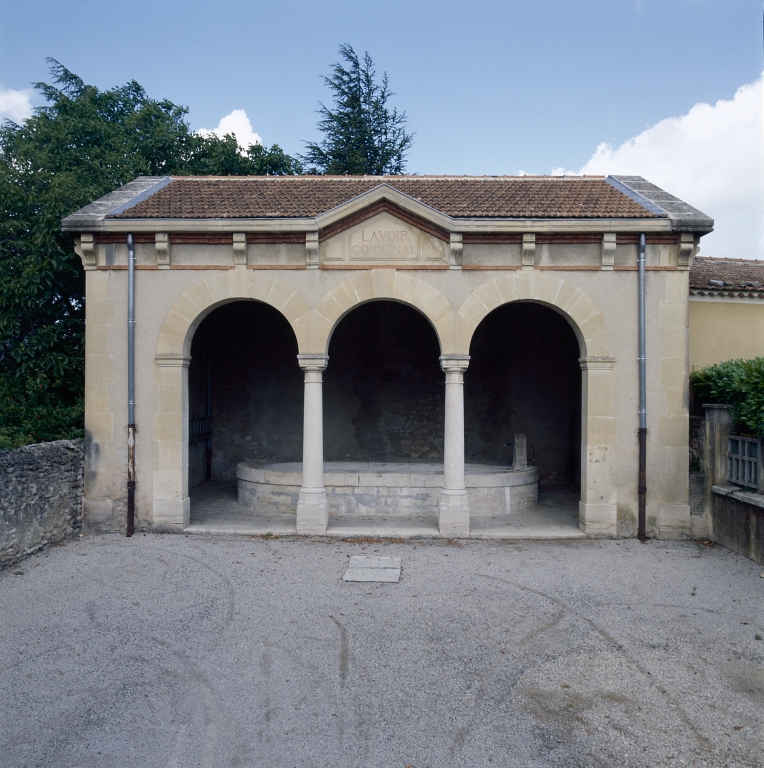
<point>185,651</point>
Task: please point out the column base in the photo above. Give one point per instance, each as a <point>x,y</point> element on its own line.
<point>454,516</point>
<point>312,511</point>
<point>598,520</point>
<point>171,515</point>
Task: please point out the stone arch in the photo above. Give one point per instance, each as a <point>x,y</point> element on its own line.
<point>599,382</point>
<point>584,316</point>
<point>370,285</point>
<point>172,506</point>
<point>199,300</point>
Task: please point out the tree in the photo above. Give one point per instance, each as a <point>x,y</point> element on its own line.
<point>80,146</point>
<point>362,135</point>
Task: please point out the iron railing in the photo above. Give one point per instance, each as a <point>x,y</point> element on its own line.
<point>743,461</point>
<point>199,430</point>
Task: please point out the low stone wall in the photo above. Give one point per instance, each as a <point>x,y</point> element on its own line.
<point>387,488</point>
<point>737,521</point>
<point>40,497</point>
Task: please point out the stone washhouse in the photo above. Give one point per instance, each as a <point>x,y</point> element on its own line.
<point>395,355</point>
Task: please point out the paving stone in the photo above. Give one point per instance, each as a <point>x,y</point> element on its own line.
<point>372,574</point>
<point>360,561</point>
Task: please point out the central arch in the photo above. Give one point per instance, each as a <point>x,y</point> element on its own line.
<point>383,387</point>
<point>379,284</point>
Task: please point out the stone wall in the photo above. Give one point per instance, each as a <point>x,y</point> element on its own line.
<point>40,497</point>
<point>737,521</point>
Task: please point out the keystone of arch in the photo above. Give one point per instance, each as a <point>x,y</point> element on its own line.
<point>200,299</point>
<point>584,315</point>
<point>368,285</point>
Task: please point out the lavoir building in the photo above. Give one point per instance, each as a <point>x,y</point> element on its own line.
<point>388,356</point>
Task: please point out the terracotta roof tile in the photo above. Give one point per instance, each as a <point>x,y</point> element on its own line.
<point>308,196</point>
<point>727,275</point>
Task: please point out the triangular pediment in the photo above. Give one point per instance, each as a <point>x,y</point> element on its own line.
<point>383,234</point>
<point>388,199</point>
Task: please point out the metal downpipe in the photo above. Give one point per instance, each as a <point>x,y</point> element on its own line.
<point>130,385</point>
<point>642,484</point>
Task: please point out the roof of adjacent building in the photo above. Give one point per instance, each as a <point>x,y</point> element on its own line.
<point>467,197</point>
<point>726,277</point>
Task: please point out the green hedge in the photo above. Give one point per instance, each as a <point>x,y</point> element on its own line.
<point>738,382</point>
<point>31,413</point>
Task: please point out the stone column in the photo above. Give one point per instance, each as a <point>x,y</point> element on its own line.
<point>454,517</point>
<point>312,512</point>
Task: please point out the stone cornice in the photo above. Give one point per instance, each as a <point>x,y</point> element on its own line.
<point>311,225</point>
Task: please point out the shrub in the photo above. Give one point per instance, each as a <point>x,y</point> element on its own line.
<point>737,382</point>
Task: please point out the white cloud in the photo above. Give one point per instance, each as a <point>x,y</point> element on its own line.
<point>15,105</point>
<point>713,158</point>
<point>238,124</point>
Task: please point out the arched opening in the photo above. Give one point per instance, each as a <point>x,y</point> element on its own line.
<point>245,394</point>
<point>524,377</point>
<point>383,387</point>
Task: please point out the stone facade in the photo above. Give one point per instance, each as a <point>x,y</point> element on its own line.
<point>454,269</point>
<point>40,497</point>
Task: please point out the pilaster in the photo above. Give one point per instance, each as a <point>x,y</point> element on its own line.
<point>598,514</point>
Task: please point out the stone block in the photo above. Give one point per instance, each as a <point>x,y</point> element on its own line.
<point>168,426</point>
<point>598,520</point>
<point>673,521</point>
<point>168,484</point>
<point>673,430</point>
<point>489,296</point>
<point>549,288</point>
<point>384,575</point>
<point>171,515</point>
<point>99,311</point>
<point>383,281</point>
<point>528,284</point>
<point>405,287</point>
<point>98,515</point>
<point>506,286</point>
<point>99,369</point>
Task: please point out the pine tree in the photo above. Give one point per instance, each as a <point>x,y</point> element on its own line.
<point>362,135</point>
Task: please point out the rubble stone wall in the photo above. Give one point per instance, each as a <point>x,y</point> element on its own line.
<point>40,497</point>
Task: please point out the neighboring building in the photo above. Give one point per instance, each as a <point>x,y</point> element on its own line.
<point>311,318</point>
<point>726,310</point>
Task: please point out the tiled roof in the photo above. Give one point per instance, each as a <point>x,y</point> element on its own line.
<point>725,276</point>
<point>459,197</point>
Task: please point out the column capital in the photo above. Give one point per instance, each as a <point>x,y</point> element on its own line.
<point>313,362</point>
<point>454,363</point>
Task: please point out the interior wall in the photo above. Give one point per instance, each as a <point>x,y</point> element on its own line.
<point>256,386</point>
<point>524,376</point>
<point>383,388</point>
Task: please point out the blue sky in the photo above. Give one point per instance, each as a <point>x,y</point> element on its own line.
<point>489,87</point>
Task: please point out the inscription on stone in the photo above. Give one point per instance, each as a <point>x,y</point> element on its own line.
<point>390,243</point>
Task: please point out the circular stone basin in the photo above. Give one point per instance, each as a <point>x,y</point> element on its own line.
<point>387,488</point>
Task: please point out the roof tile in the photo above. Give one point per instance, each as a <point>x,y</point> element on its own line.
<point>727,275</point>
<point>308,196</point>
